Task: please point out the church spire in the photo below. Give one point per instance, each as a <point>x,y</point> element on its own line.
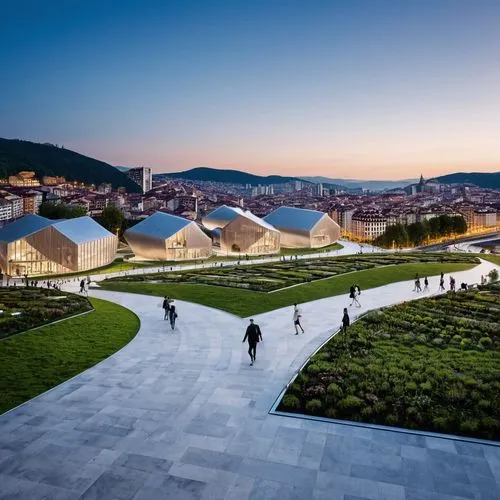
<point>421,179</point>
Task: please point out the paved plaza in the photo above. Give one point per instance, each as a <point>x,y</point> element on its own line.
<point>182,415</point>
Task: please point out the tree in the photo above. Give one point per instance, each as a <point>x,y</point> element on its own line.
<point>61,211</point>
<point>459,224</point>
<point>417,232</point>
<point>395,235</point>
<point>112,219</point>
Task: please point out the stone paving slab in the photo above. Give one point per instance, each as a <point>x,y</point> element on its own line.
<point>182,415</point>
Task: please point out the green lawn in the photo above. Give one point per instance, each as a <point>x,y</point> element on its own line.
<point>431,364</point>
<point>246,302</point>
<point>33,362</point>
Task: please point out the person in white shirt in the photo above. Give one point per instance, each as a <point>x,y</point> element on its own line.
<point>296,319</point>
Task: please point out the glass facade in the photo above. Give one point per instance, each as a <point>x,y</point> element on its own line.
<point>47,251</point>
<point>245,236</point>
<point>188,242</point>
<point>303,228</point>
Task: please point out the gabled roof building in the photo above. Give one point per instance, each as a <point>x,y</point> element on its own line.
<point>34,245</point>
<point>239,231</point>
<point>168,237</point>
<point>303,228</point>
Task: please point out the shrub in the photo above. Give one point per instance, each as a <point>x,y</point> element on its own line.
<point>392,419</point>
<point>426,386</point>
<point>421,338</point>
<point>291,401</point>
<point>350,403</point>
<point>367,412</point>
<point>334,391</point>
<point>469,425</point>
<point>485,342</point>
<point>441,423</point>
<point>313,406</point>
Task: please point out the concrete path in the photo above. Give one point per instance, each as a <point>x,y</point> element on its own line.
<point>182,415</point>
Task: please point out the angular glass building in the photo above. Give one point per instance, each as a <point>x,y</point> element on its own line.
<point>302,228</point>
<point>35,246</point>
<point>239,231</point>
<point>168,237</point>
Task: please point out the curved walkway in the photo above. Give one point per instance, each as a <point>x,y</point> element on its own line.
<point>183,416</point>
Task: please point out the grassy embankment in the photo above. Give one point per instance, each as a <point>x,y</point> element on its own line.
<point>33,362</point>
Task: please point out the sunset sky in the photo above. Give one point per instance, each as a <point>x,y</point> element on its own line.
<point>370,89</point>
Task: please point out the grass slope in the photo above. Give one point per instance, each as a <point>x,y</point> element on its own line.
<point>245,303</point>
<point>431,364</point>
<point>36,361</point>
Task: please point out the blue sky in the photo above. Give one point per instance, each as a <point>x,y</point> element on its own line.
<point>358,88</point>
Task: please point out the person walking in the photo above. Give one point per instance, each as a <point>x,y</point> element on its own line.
<point>417,287</point>
<point>166,307</point>
<point>296,319</point>
<point>172,314</point>
<point>82,286</point>
<point>352,295</point>
<point>441,284</point>
<point>253,334</point>
<point>345,321</point>
<point>452,284</point>
<point>426,284</point>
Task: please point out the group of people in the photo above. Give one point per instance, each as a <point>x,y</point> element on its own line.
<point>441,288</point>
<point>170,311</point>
<point>418,287</point>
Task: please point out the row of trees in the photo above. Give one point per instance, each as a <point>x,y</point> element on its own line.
<point>417,233</point>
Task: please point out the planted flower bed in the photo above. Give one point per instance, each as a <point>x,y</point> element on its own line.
<point>276,275</point>
<point>431,364</point>
<point>25,308</point>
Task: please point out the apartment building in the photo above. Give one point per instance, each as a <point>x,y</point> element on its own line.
<point>368,225</point>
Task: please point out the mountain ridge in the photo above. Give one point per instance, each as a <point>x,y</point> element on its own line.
<point>481,179</point>
<point>489,180</point>
<point>228,176</point>
<point>47,159</point>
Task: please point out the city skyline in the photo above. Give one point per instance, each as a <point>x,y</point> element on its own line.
<point>359,91</point>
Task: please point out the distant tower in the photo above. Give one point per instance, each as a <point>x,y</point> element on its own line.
<point>422,182</point>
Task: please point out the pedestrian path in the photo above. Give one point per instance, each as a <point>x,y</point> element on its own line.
<point>183,416</point>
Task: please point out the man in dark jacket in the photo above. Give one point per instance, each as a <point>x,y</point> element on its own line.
<point>345,321</point>
<point>166,307</point>
<point>253,334</point>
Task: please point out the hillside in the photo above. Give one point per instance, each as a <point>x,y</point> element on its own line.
<point>227,176</point>
<point>46,159</point>
<point>481,179</point>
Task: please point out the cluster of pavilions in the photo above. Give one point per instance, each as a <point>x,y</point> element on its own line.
<point>34,245</point>
<point>230,231</point>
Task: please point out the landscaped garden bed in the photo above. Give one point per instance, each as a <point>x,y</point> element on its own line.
<point>273,276</point>
<point>36,361</point>
<point>26,308</point>
<point>431,364</point>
